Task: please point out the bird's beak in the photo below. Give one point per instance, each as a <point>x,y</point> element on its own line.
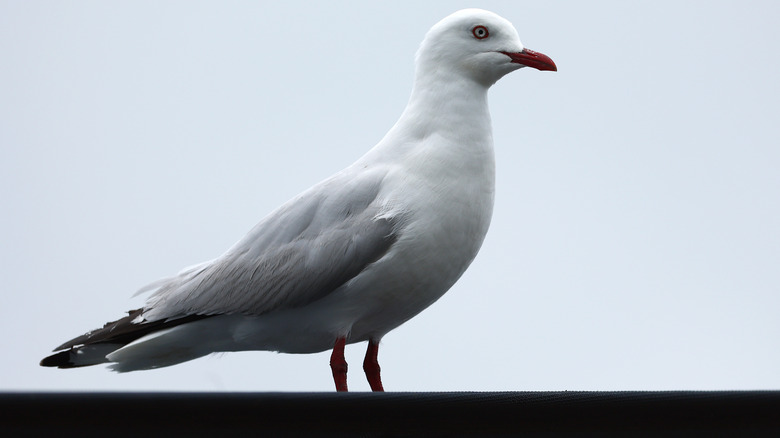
<point>529,58</point>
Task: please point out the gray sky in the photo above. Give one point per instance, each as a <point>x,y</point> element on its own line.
<point>635,242</point>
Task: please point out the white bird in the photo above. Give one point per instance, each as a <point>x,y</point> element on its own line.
<point>358,254</point>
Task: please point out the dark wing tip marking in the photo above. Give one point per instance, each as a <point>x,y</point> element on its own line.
<point>121,332</point>
<point>59,360</point>
<point>104,333</point>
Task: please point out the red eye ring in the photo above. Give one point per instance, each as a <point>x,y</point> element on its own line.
<point>480,32</point>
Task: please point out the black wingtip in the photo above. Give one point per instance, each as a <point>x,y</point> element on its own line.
<point>59,360</point>
<point>92,347</point>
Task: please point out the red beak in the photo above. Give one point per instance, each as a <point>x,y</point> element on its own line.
<point>529,58</point>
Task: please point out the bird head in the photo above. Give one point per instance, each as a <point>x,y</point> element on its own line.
<point>479,45</point>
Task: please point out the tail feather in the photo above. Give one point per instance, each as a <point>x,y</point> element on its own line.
<point>92,347</point>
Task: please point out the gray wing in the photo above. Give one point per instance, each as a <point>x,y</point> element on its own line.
<point>300,253</point>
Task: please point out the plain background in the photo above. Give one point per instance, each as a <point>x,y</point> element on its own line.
<point>636,236</point>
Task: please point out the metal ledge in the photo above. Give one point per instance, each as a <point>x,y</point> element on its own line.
<point>676,413</point>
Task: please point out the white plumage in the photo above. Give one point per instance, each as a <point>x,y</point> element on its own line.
<point>358,254</point>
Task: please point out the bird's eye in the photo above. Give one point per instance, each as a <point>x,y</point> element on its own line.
<point>480,32</point>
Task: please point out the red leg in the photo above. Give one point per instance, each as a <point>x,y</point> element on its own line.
<point>339,365</point>
<point>371,366</point>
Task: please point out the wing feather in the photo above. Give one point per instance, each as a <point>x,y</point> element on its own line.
<point>301,252</point>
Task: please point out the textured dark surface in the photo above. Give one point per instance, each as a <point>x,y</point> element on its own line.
<point>720,413</point>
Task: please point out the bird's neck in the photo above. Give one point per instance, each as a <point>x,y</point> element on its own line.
<point>442,102</point>
<point>451,110</point>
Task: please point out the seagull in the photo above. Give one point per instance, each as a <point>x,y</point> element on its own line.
<point>359,253</point>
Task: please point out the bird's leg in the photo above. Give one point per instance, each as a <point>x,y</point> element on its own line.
<point>371,366</point>
<point>339,365</point>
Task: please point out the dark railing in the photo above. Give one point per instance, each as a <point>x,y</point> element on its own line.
<point>141,415</point>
